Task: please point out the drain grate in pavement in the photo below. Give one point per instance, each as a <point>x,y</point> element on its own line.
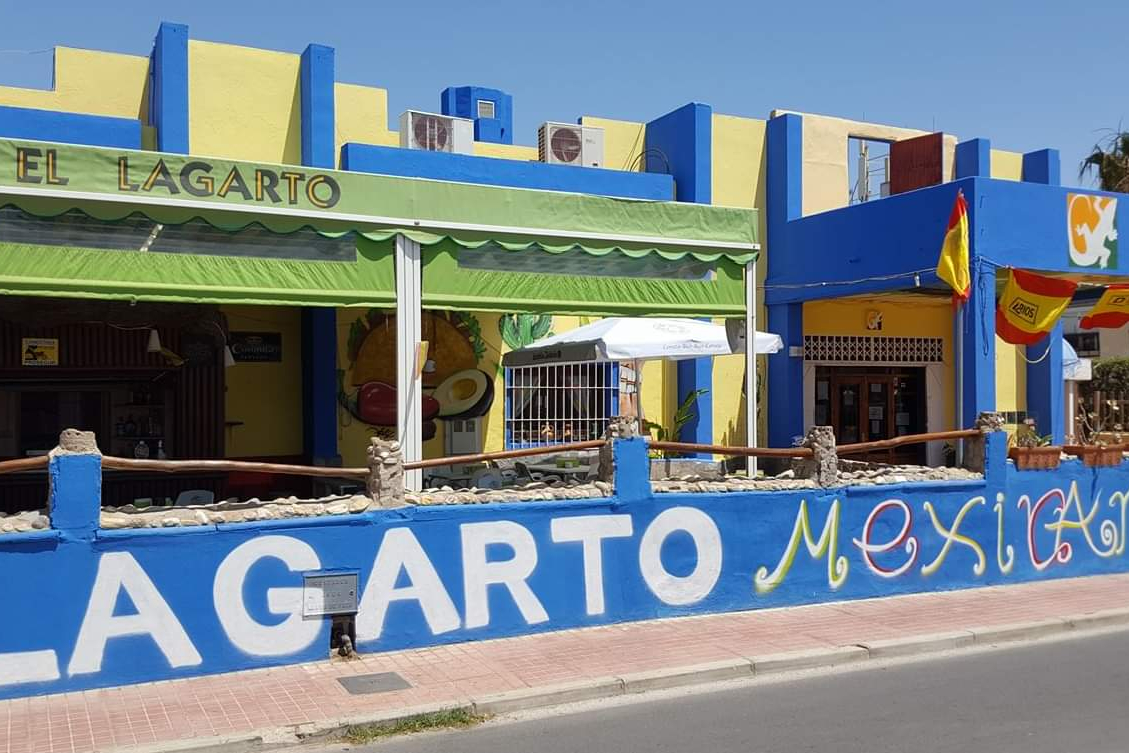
<point>381,682</point>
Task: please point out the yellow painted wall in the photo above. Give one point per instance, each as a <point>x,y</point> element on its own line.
<point>1006,165</point>
<point>738,180</point>
<point>826,183</point>
<point>90,82</point>
<point>266,397</point>
<point>903,315</point>
<point>623,142</point>
<point>361,116</point>
<point>505,151</point>
<point>244,103</point>
<point>1011,377</point>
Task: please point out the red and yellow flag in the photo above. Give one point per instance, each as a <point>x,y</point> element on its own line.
<point>1030,305</point>
<point>952,267</point>
<point>1111,310</point>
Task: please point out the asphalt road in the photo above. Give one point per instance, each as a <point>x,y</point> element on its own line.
<point>1050,697</point>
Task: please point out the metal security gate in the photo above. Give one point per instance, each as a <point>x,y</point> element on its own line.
<point>569,402</point>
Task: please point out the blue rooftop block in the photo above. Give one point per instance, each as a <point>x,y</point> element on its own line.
<point>69,128</point>
<point>489,171</point>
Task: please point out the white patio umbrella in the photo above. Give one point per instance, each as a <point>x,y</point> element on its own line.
<point>635,339</point>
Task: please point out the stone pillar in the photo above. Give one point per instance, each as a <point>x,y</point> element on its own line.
<point>823,465</point>
<point>619,427</point>
<point>386,473</point>
<point>976,449</point>
<point>74,478</point>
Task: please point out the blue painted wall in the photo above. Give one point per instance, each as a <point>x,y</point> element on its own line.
<point>69,128</point>
<point>490,171</point>
<point>974,159</point>
<point>1046,395</point>
<point>680,143</point>
<point>168,88</point>
<point>784,204</point>
<point>93,608</point>
<point>462,102</point>
<point>1042,167</point>
<point>319,325</point>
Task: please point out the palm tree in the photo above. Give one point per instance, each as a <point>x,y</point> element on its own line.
<point>1111,160</point>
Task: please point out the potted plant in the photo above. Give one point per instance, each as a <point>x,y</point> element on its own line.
<point>1031,451</point>
<point>1099,446</point>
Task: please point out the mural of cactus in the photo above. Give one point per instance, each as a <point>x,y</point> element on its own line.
<point>520,330</point>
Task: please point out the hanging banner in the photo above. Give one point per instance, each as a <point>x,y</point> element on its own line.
<point>1030,305</point>
<point>1111,310</point>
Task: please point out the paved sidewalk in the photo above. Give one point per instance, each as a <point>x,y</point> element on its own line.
<point>180,712</point>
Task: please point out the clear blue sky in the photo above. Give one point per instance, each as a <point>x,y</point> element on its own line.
<point>1027,75</point>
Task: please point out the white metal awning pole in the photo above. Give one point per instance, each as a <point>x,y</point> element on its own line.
<point>751,363</point>
<point>409,379</point>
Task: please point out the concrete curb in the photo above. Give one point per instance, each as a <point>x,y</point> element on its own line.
<point>918,644</point>
<point>809,659</point>
<point>665,678</point>
<point>1021,631</point>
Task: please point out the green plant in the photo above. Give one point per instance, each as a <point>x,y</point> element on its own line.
<point>682,416</point>
<point>361,734</point>
<point>1110,158</point>
<point>520,330</point>
<point>1027,436</point>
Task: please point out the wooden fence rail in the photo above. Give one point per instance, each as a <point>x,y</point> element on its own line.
<point>717,449</point>
<point>23,464</point>
<point>194,466</point>
<point>483,457</point>
<point>886,444</point>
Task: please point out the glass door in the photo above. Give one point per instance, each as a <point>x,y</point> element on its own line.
<point>878,409</point>
<point>847,409</point>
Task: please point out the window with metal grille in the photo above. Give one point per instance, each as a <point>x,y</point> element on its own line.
<point>568,402</point>
<point>1085,344</point>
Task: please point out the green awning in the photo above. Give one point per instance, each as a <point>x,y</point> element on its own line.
<point>171,188</point>
<point>562,285</point>
<point>60,271</point>
<point>572,253</point>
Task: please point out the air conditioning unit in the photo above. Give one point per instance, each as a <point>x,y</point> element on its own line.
<point>436,133</point>
<point>565,144</point>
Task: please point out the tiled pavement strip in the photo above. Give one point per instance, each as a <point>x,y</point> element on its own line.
<point>182,712</point>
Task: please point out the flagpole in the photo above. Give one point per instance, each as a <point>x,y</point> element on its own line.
<point>958,378</point>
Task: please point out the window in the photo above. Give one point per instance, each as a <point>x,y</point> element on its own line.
<point>1085,344</point>
<point>485,108</point>
<point>868,169</point>
<point>570,402</point>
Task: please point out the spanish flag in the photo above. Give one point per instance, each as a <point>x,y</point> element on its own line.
<point>952,267</point>
<point>1111,310</point>
<point>1030,305</point>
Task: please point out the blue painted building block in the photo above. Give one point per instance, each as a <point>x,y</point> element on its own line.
<point>786,376</point>
<point>680,143</point>
<point>69,128</point>
<point>974,159</point>
<point>319,325</point>
<point>978,316</point>
<point>462,102</point>
<point>318,113</point>
<point>76,494</point>
<point>1042,167</point>
<point>465,168</point>
<point>784,204</point>
<point>1045,385</point>
<point>168,89</point>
